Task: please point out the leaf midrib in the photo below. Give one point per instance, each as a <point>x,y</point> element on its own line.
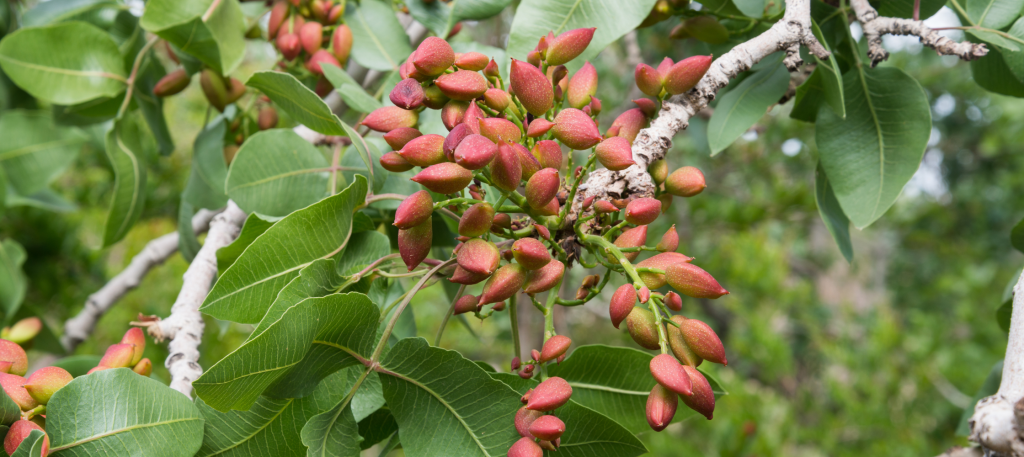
<point>881,139</point>
<point>13,153</point>
<point>588,386</point>
<point>115,432</point>
<point>278,176</point>
<point>376,42</point>
<point>301,106</point>
<point>567,17</point>
<point>76,73</point>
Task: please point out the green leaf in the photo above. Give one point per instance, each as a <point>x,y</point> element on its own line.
<point>989,387</point>
<point>588,433</point>
<point>871,154</point>
<point>349,90</point>
<point>435,392</point>
<point>1004,313</point>
<point>124,150</point>
<point>78,365</point>
<point>379,41</point>
<point>276,172</point>
<point>995,39</point>
<point>364,248</point>
<point>334,433</point>
<point>994,74</point>
<point>297,100</point>
<point>905,8</point>
<point>377,427</point>
<point>13,282</point>
<point>310,341</point>
<point>750,8</point>
<point>994,14</point>
<point>721,7</point>
<point>743,106</point>
<point>9,411</point>
<point>535,18</point>
<point>34,151</point>
<point>45,199</point>
<point>319,279</point>
<point>831,77</point>
<point>808,97</point>
<point>1017,236</point>
<point>31,446</point>
<point>253,227</point>
<point>211,30</point>
<point>353,158</point>
<point>440,17</point>
<point>151,106</point>
<point>65,64</point>
<point>205,187</point>
<point>364,149</point>
<point>188,242</point>
<point>832,214</point>
<point>320,231</point>
<point>54,11</point>
<point>85,417</point>
<point>1012,54</point>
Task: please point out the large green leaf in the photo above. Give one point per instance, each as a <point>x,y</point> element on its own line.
<point>832,214</point>
<point>151,106</point>
<point>9,411</point>
<point>318,279</point>
<point>440,17</point>
<point>1017,236</point>
<point>188,241</point>
<point>994,74</point>
<point>205,187</point>
<point>612,18</point>
<point>87,417</point>
<point>211,30</point>
<point>871,154</point>
<point>349,90</point>
<point>253,227</point>
<point>54,11</point>
<point>831,77</point>
<point>320,231</point>
<point>1011,50</point>
<point>905,8</point>
<point>297,100</point>
<point>310,341</point>
<point>34,151</point>
<point>66,63</point>
<point>588,433</point>
<point>378,40</point>
<point>276,172</point>
<point>334,433</point>
<point>124,150</point>
<point>435,393</point>
<point>743,106</point>
<point>994,14</point>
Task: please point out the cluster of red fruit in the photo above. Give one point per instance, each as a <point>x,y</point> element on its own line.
<point>538,430</point>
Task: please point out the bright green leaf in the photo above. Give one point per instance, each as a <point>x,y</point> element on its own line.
<point>994,14</point>
<point>211,30</point>
<point>205,187</point>
<point>349,90</point>
<point>831,77</point>
<point>124,150</point>
<point>276,172</point>
<point>54,11</point>
<point>253,227</point>
<point>832,214</point>
<point>34,151</point>
<point>46,199</point>
<point>297,100</point>
<point>379,41</point>
<point>188,242</point>
<point>334,433</point>
<point>318,279</point>
<point>440,17</point>
<point>743,106</point>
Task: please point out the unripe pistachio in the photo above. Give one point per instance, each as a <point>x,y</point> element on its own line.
<point>582,86</point>
<point>501,221</point>
<point>535,355</point>
<point>454,138</point>
<point>525,447</point>
<point>662,262</point>
<point>174,82</point>
<point>465,304</point>
<point>491,70</point>
<point>500,130</point>
<point>472,61</point>
<point>433,56</point>
<point>648,79</point>
<point>534,58</point>
<point>320,57</point>
<point>629,124</point>
<point>647,106</point>
<point>643,211</point>
<point>407,70</point>
<point>22,331</point>
<point>669,241</point>
<point>278,13</point>
<point>527,162</point>
<point>588,202</point>
<point>414,210</point>
<point>462,85</point>
<point>215,88</point>
<point>478,256</point>
<point>394,162</point>
<point>685,182</point>
<point>11,352</point>
<point>594,107</point>
<point>475,152</point>
<point>289,44</point>
<point>615,153</point>
<point>341,43</point>
<point>388,118</point>
<point>414,243</point>
<point>604,207</point>
<point>684,75</point>
<point>516,363</point>
<point>424,151</point>
<point>669,373</point>
<point>568,46</point>
<point>474,114</point>
<point>658,170</point>
<point>14,386</point>
<point>666,202</point>
<point>538,127</point>
<point>503,284</point>
<point>631,238</point>
<point>399,137</point>
<point>665,65</point>
<point>551,209</point>
<point>621,304</point>
<point>531,87</point>
<point>642,328</point>
<point>506,172</point>
<point>682,351</point>
<point>461,276</point>
<point>554,347</point>
<point>444,178</point>
<point>476,221</point>
<point>118,356</point>
<point>542,231</point>
<point>433,98</point>
<point>137,338</point>
<point>312,36</point>
<point>575,129</point>
<point>703,398</point>
<point>453,113</point>
<point>612,131</point>
<point>661,407</point>
<point>547,152</point>
<point>703,340</point>
<point>693,281</point>
<point>21,430</point>
<point>336,12</point>
<point>144,367</point>
<point>662,10</point>
<point>542,187</point>
<point>45,382</point>
<point>319,9</point>
<point>524,418</point>
<point>544,279</point>
<point>408,94</point>
<point>531,253</point>
<point>706,29</point>
<point>644,294</point>
<point>5,367</point>
<point>547,428</point>
<point>497,99</point>
<point>673,301</point>
<point>550,394</point>
<point>267,118</point>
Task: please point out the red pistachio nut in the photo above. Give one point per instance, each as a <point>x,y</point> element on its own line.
<point>524,418</point>
<point>544,279</point>
<point>550,394</point>
<point>501,221</point>
<point>462,85</point>
<point>5,367</point>
<point>527,162</point>
<point>531,87</point>
<point>594,107</point>
<point>497,99</point>
<point>137,338</point>
<point>644,294</point>
<point>684,75</point>
<point>341,43</point>
<point>461,276</point>
<point>629,124</point>
<point>454,138</point>
<point>535,354</point>
<point>539,127</point>
<point>21,430</point>
<point>692,280</point>
<point>433,98</point>
<point>506,172</point>
<point>526,374</point>
<point>23,331</point>
<point>542,231</point>
<point>473,117</point>
<point>643,211</point>
<point>321,57</point>
<point>531,253</point>
<point>669,373</point>
<point>408,94</point>
<point>661,407</point>
<point>547,428</point>
<point>648,80</point>
<point>542,187</point>
<point>472,61</point>
<point>45,382</point>
<point>414,210</point>
<point>677,343</point>
<point>503,284</point>
<point>500,130</point>
<point>478,256</point>
<point>476,221</point>
<point>267,118</point>
<point>662,262</point>
<point>568,46</point>
<point>647,106</point>
<point>547,152</point>
<point>319,9</point>
<point>703,340</point>
<point>642,328</point>
<point>491,70</point>
<point>398,138</point>
<point>575,129</point>
<point>631,238</point>
<point>118,356</point>
<point>278,13</point>
<point>516,363</point>
<point>335,13</point>
<point>453,113</point>
<point>433,56</point>
<point>554,348</point>
<point>174,82</point>
<point>475,152</point>
<point>615,153</point>
<point>658,170</point>
<point>665,66</point>
<point>526,397</point>
<point>144,367</point>
<point>551,209</point>
<point>703,398</point>
<point>14,386</point>
<point>666,202</point>
<point>394,162</point>
<point>621,304</point>
<point>605,206</point>
<point>588,202</point>
<point>685,182</point>
<point>289,44</point>
<point>582,86</point>
<point>673,301</point>
<point>414,243</point>
<point>312,36</point>
<point>388,118</point>
<point>444,178</point>
<point>323,87</point>
<point>424,151</point>
<point>465,304</point>
<point>669,241</point>
<point>525,447</point>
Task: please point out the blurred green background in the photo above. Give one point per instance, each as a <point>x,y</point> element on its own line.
<point>875,357</point>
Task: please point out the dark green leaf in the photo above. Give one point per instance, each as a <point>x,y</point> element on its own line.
<point>188,242</point>
<point>334,433</point>
<point>205,187</point>
<point>34,151</point>
<point>45,199</point>
<point>743,106</point>
<point>377,427</point>
<point>124,150</point>
<point>379,41</point>
<point>78,365</point>
<point>277,172</point>
<point>13,282</point>
<point>211,30</point>
<point>151,106</point>
<point>440,17</point>
<point>831,77</point>
<point>832,214</point>
<point>994,14</point>
<point>994,74</point>
<point>1013,55</point>
<point>297,100</point>
<point>31,446</point>
<point>905,8</point>
<point>254,226</point>
<point>1004,313</point>
<point>1017,236</point>
<point>808,97</point>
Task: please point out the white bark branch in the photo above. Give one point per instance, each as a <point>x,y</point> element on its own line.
<point>998,421</point>
<point>875,26</point>
<point>157,251</point>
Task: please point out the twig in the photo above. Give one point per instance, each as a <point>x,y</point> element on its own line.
<point>875,26</point>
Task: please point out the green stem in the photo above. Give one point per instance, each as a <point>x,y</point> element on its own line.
<point>575,187</point>
<point>513,316</point>
<point>401,307</point>
<point>448,315</point>
<point>134,74</point>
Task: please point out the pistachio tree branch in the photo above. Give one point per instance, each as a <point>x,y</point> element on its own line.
<point>875,26</point>
<point>157,251</point>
